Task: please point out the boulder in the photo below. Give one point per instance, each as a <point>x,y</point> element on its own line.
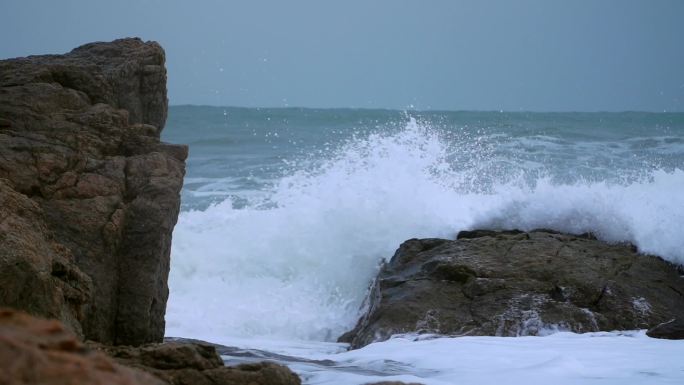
<point>514,283</point>
<point>197,363</point>
<point>670,330</point>
<point>38,351</point>
<point>89,195</point>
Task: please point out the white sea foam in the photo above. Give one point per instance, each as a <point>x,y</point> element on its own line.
<point>297,266</point>
<point>562,358</point>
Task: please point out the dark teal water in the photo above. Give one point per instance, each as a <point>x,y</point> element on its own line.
<point>240,153</point>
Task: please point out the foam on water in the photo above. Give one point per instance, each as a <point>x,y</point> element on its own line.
<point>297,264</point>
<point>562,358</point>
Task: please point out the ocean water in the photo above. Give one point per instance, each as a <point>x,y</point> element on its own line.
<point>287,213</point>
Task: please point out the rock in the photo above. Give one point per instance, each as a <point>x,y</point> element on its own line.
<point>37,351</point>
<point>514,283</point>
<point>36,273</point>
<point>89,195</point>
<point>182,363</point>
<point>670,330</point>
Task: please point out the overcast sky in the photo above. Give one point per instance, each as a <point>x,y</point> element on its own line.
<point>539,55</point>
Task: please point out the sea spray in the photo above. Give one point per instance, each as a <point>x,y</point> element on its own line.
<point>298,267</point>
<point>296,262</point>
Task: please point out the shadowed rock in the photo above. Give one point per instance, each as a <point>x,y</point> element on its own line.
<point>89,196</point>
<point>183,363</point>
<point>514,283</point>
<point>37,351</point>
<point>670,330</point>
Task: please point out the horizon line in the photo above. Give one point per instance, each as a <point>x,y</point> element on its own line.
<point>429,110</point>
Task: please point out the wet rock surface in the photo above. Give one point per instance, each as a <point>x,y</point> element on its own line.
<point>514,283</point>
<point>89,195</point>
<point>197,363</point>
<point>670,330</point>
<point>38,351</point>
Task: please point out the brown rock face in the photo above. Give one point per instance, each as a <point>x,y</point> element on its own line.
<point>36,351</point>
<point>89,196</point>
<point>514,283</point>
<point>197,364</point>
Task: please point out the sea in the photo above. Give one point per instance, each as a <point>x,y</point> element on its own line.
<point>287,214</point>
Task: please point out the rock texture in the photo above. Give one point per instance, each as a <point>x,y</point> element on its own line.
<point>36,351</point>
<point>514,283</point>
<point>89,196</point>
<point>197,364</point>
<point>670,330</point>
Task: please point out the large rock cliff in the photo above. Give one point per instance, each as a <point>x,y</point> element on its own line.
<point>89,195</point>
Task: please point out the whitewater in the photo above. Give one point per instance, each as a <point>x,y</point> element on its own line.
<point>287,214</point>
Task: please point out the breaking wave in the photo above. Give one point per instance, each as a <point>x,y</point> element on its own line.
<point>297,264</point>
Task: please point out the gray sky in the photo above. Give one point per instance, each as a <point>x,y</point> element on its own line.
<point>540,55</point>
